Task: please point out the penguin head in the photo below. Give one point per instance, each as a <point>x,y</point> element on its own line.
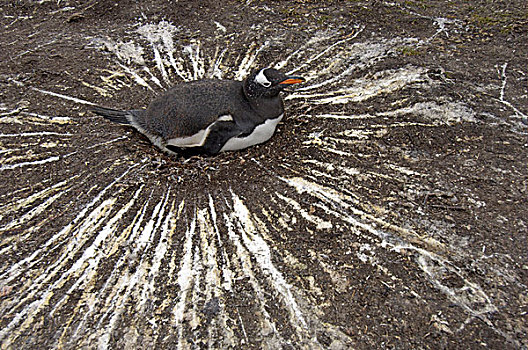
<point>268,82</point>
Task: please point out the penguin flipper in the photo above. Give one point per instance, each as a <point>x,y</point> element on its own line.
<point>117,116</point>
<point>220,133</point>
<point>212,139</point>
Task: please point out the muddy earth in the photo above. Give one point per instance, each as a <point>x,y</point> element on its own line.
<point>388,211</point>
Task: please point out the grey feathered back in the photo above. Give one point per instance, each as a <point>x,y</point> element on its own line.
<point>180,110</point>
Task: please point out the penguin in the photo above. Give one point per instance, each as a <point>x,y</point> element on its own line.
<point>210,116</point>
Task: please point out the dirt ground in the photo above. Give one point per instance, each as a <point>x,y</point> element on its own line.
<point>388,210</point>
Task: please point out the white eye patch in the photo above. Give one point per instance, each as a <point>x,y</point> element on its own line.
<point>262,80</point>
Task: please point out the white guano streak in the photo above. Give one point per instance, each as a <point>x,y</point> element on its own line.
<point>31,310</point>
<point>248,60</point>
<point>87,264</point>
<point>388,241</point>
<point>122,288</point>
<point>143,242</point>
<point>185,278</point>
<point>261,251</point>
<point>161,248</point>
<point>29,262</point>
<point>227,273</point>
<point>246,269</point>
<point>65,97</point>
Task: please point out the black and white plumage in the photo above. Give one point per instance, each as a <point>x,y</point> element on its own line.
<point>211,116</point>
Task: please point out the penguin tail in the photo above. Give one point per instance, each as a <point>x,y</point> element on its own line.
<point>114,115</point>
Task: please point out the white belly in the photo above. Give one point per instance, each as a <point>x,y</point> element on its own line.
<point>260,134</point>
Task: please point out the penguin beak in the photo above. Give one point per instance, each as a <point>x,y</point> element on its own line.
<point>292,80</point>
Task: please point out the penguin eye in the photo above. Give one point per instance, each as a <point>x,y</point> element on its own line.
<point>262,79</point>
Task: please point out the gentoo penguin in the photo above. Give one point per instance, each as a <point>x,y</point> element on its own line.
<point>211,116</point>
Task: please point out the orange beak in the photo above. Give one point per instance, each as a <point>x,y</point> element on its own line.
<point>292,80</point>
